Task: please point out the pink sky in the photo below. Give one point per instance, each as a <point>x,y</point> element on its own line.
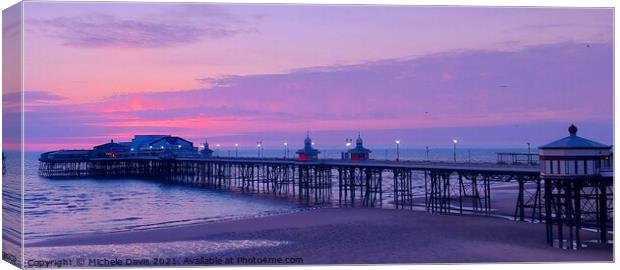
<point>239,73</point>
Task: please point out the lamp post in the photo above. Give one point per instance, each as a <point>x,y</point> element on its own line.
<point>427,154</point>
<point>397,150</point>
<point>529,154</point>
<point>258,146</point>
<point>285,150</point>
<point>236,150</point>
<point>348,145</point>
<point>455,141</point>
<point>217,150</point>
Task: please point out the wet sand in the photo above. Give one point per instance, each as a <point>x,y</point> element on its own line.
<point>503,201</point>
<point>363,236</point>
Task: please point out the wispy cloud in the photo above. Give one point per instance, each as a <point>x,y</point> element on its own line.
<point>102,30</point>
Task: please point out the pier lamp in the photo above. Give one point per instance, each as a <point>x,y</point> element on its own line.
<point>347,144</point>
<point>259,144</point>
<point>428,154</point>
<point>397,150</point>
<point>455,141</point>
<point>217,149</point>
<point>529,154</point>
<point>285,150</point>
<point>236,150</point>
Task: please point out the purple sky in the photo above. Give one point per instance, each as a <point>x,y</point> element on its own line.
<point>241,73</point>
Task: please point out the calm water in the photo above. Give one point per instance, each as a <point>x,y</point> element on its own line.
<point>56,207</point>
<point>60,207</point>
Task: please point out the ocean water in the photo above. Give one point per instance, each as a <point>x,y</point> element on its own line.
<point>55,207</point>
<point>11,210</point>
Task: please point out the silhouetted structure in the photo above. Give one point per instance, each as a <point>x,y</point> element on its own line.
<point>3,163</point>
<point>109,150</point>
<point>164,146</point>
<point>206,151</point>
<point>160,145</point>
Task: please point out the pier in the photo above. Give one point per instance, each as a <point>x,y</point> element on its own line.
<point>566,196</point>
<point>447,187</point>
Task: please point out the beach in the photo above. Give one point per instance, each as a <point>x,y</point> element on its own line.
<point>186,225</point>
<point>342,236</point>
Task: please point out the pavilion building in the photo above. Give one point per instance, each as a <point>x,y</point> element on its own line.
<point>109,150</point>
<point>578,180</point>
<point>359,152</point>
<point>308,152</point>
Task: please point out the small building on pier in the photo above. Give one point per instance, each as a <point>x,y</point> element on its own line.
<point>109,150</point>
<point>171,143</point>
<point>159,142</point>
<point>161,145</point>
<point>206,151</point>
<point>574,156</point>
<point>359,152</point>
<point>578,181</point>
<point>308,152</point>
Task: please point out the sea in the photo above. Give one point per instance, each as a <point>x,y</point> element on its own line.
<point>62,207</point>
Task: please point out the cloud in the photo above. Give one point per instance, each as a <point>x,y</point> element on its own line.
<point>559,83</point>
<point>41,98</point>
<point>101,30</point>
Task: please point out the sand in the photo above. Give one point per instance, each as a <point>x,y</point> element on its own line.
<point>364,236</point>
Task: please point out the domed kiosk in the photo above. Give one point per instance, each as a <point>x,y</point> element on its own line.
<point>574,157</point>
<point>308,152</point>
<point>359,152</point>
<point>206,151</point>
<point>578,179</point>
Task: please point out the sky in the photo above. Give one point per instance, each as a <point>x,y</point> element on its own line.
<point>232,73</point>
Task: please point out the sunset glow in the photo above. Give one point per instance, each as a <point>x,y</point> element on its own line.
<point>240,73</point>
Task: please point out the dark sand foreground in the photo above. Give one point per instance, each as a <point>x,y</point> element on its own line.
<point>362,236</point>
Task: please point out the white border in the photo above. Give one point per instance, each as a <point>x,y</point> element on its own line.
<point>536,3</point>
